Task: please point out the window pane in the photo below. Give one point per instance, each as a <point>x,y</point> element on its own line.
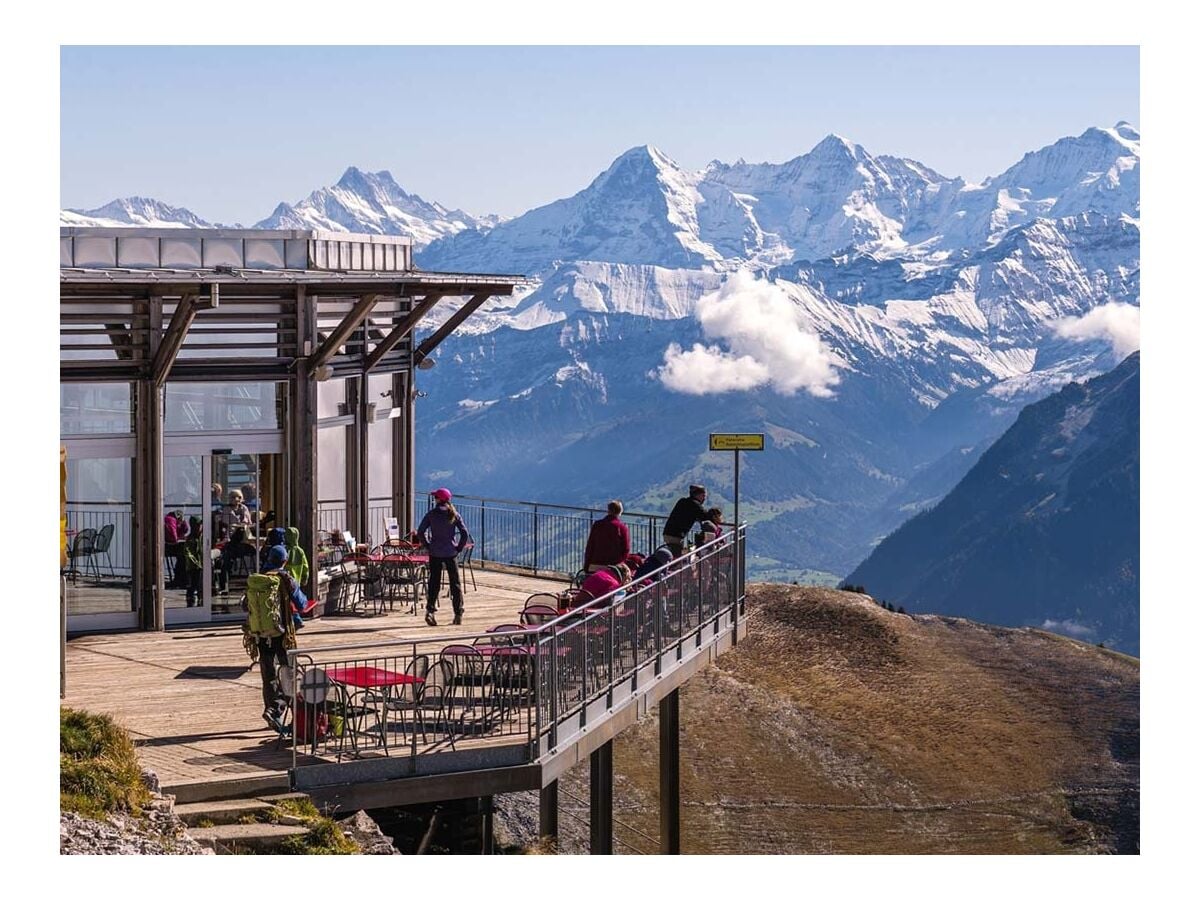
<point>223,406</point>
<point>102,408</point>
<point>331,479</point>
<point>330,394</point>
<point>99,536</point>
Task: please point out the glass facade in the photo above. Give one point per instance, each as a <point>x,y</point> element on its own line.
<point>99,572</point>
<point>223,406</point>
<point>97,408</point>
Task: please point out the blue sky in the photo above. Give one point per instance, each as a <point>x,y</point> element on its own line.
<point>230,131</point>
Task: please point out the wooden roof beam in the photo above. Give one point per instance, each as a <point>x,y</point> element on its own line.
<point>186,309</point>
<point>401,330</point>
<point>430,343</point>
<point>358,314</point>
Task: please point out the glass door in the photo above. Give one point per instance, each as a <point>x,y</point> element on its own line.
<point>223,503</point>
<point>186,542</point>
<point>99,575</point>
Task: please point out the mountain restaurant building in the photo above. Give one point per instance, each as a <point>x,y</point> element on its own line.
<point>218,383</point>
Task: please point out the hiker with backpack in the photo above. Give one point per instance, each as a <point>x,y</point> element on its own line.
<point>274,602</point>
<point>443,535</point>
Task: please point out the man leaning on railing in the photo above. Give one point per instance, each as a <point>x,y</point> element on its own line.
<point>687,512</point>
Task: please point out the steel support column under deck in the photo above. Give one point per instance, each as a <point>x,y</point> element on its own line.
<point>601,799</point>
<point>668,773</point>
<point>548,811</point>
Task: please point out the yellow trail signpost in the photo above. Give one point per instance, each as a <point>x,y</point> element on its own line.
<point>737,443</point>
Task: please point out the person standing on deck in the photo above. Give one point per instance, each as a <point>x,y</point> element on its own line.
<point>687,512</point>
<point>608,541</point>
<point>443,534</point>
<point>297,564</point>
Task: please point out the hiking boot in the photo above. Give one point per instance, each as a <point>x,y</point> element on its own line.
<point>429,619</point>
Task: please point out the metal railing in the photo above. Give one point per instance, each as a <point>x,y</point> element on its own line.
<point>536,685</point>
<point>543,537</point>
<point>118,513</point>
<point>333,515</point>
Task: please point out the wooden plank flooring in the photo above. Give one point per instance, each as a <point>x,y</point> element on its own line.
<point>193,702</point>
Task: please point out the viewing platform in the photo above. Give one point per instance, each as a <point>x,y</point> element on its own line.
<point>392,712</point>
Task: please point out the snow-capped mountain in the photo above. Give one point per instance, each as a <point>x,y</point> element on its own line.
<point>141,212</point>
<point>372,203</point>
<point>641,210</point>
<point>937,300</point>
<point>837,199</point>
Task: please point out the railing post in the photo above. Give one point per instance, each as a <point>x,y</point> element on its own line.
<point>553,688</point>
<point>612,628</point>
<point>412,689</point>
<point>535,539</point>
<point>482,533</point>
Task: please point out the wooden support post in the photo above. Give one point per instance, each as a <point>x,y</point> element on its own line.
<point>399,470</point>
<point>548,811</point>
<point>668,773</point>
<point>148,520</point>
<point>148,535</point>
<point>601,800</point>
<point>302,439</point>
<point>360,484</point>
<point>410,516</point>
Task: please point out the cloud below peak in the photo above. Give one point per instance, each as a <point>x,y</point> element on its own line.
<point>767,342</point>
<point>1118,323</point>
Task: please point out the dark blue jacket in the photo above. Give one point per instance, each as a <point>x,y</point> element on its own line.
<point>437,533</point>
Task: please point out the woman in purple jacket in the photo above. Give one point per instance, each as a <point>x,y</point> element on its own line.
<point>443,535</point>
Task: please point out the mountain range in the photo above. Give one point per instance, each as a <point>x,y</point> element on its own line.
<point>881,322</point>
<point>1044,528</point>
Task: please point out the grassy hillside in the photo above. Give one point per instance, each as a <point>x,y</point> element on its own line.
<point>838,727</point>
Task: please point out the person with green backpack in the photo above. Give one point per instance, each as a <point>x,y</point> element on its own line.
<point>269,631</point>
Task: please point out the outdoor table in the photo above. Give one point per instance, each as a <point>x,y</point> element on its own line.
<point>401,559</point>
<point>367,677</point>
<point>370,676</point>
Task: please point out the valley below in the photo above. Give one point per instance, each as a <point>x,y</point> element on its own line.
<point>840,727</point>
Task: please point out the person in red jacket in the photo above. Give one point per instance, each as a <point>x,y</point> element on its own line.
<point>608,541</point>
<point>603,582</point>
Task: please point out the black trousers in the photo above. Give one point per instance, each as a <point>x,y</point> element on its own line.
<point>271,653</point>
<point>450,564</point>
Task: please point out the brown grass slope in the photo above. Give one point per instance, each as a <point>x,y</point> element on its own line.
<point>839,727</point>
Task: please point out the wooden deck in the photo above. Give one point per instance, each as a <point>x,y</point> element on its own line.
<point>193,702</point>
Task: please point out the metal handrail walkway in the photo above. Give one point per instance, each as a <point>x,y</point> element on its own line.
<point>512,698</point>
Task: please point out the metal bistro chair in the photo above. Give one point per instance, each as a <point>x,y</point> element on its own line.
<point>103,542</point>
<point>470,695</point>
<point>434,695</point>
<point>83,547</point>
<point>362,711</point>
<point>411,697</point>
<point>361,580</point>
<point>403,579</point>
<point>465,564</point>
<point>538,614</point>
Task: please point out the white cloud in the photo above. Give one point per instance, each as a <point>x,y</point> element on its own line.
<point>1069,627</point>
<point>767,340</point>
<point>709,370</point>
<point>1118,323</point>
